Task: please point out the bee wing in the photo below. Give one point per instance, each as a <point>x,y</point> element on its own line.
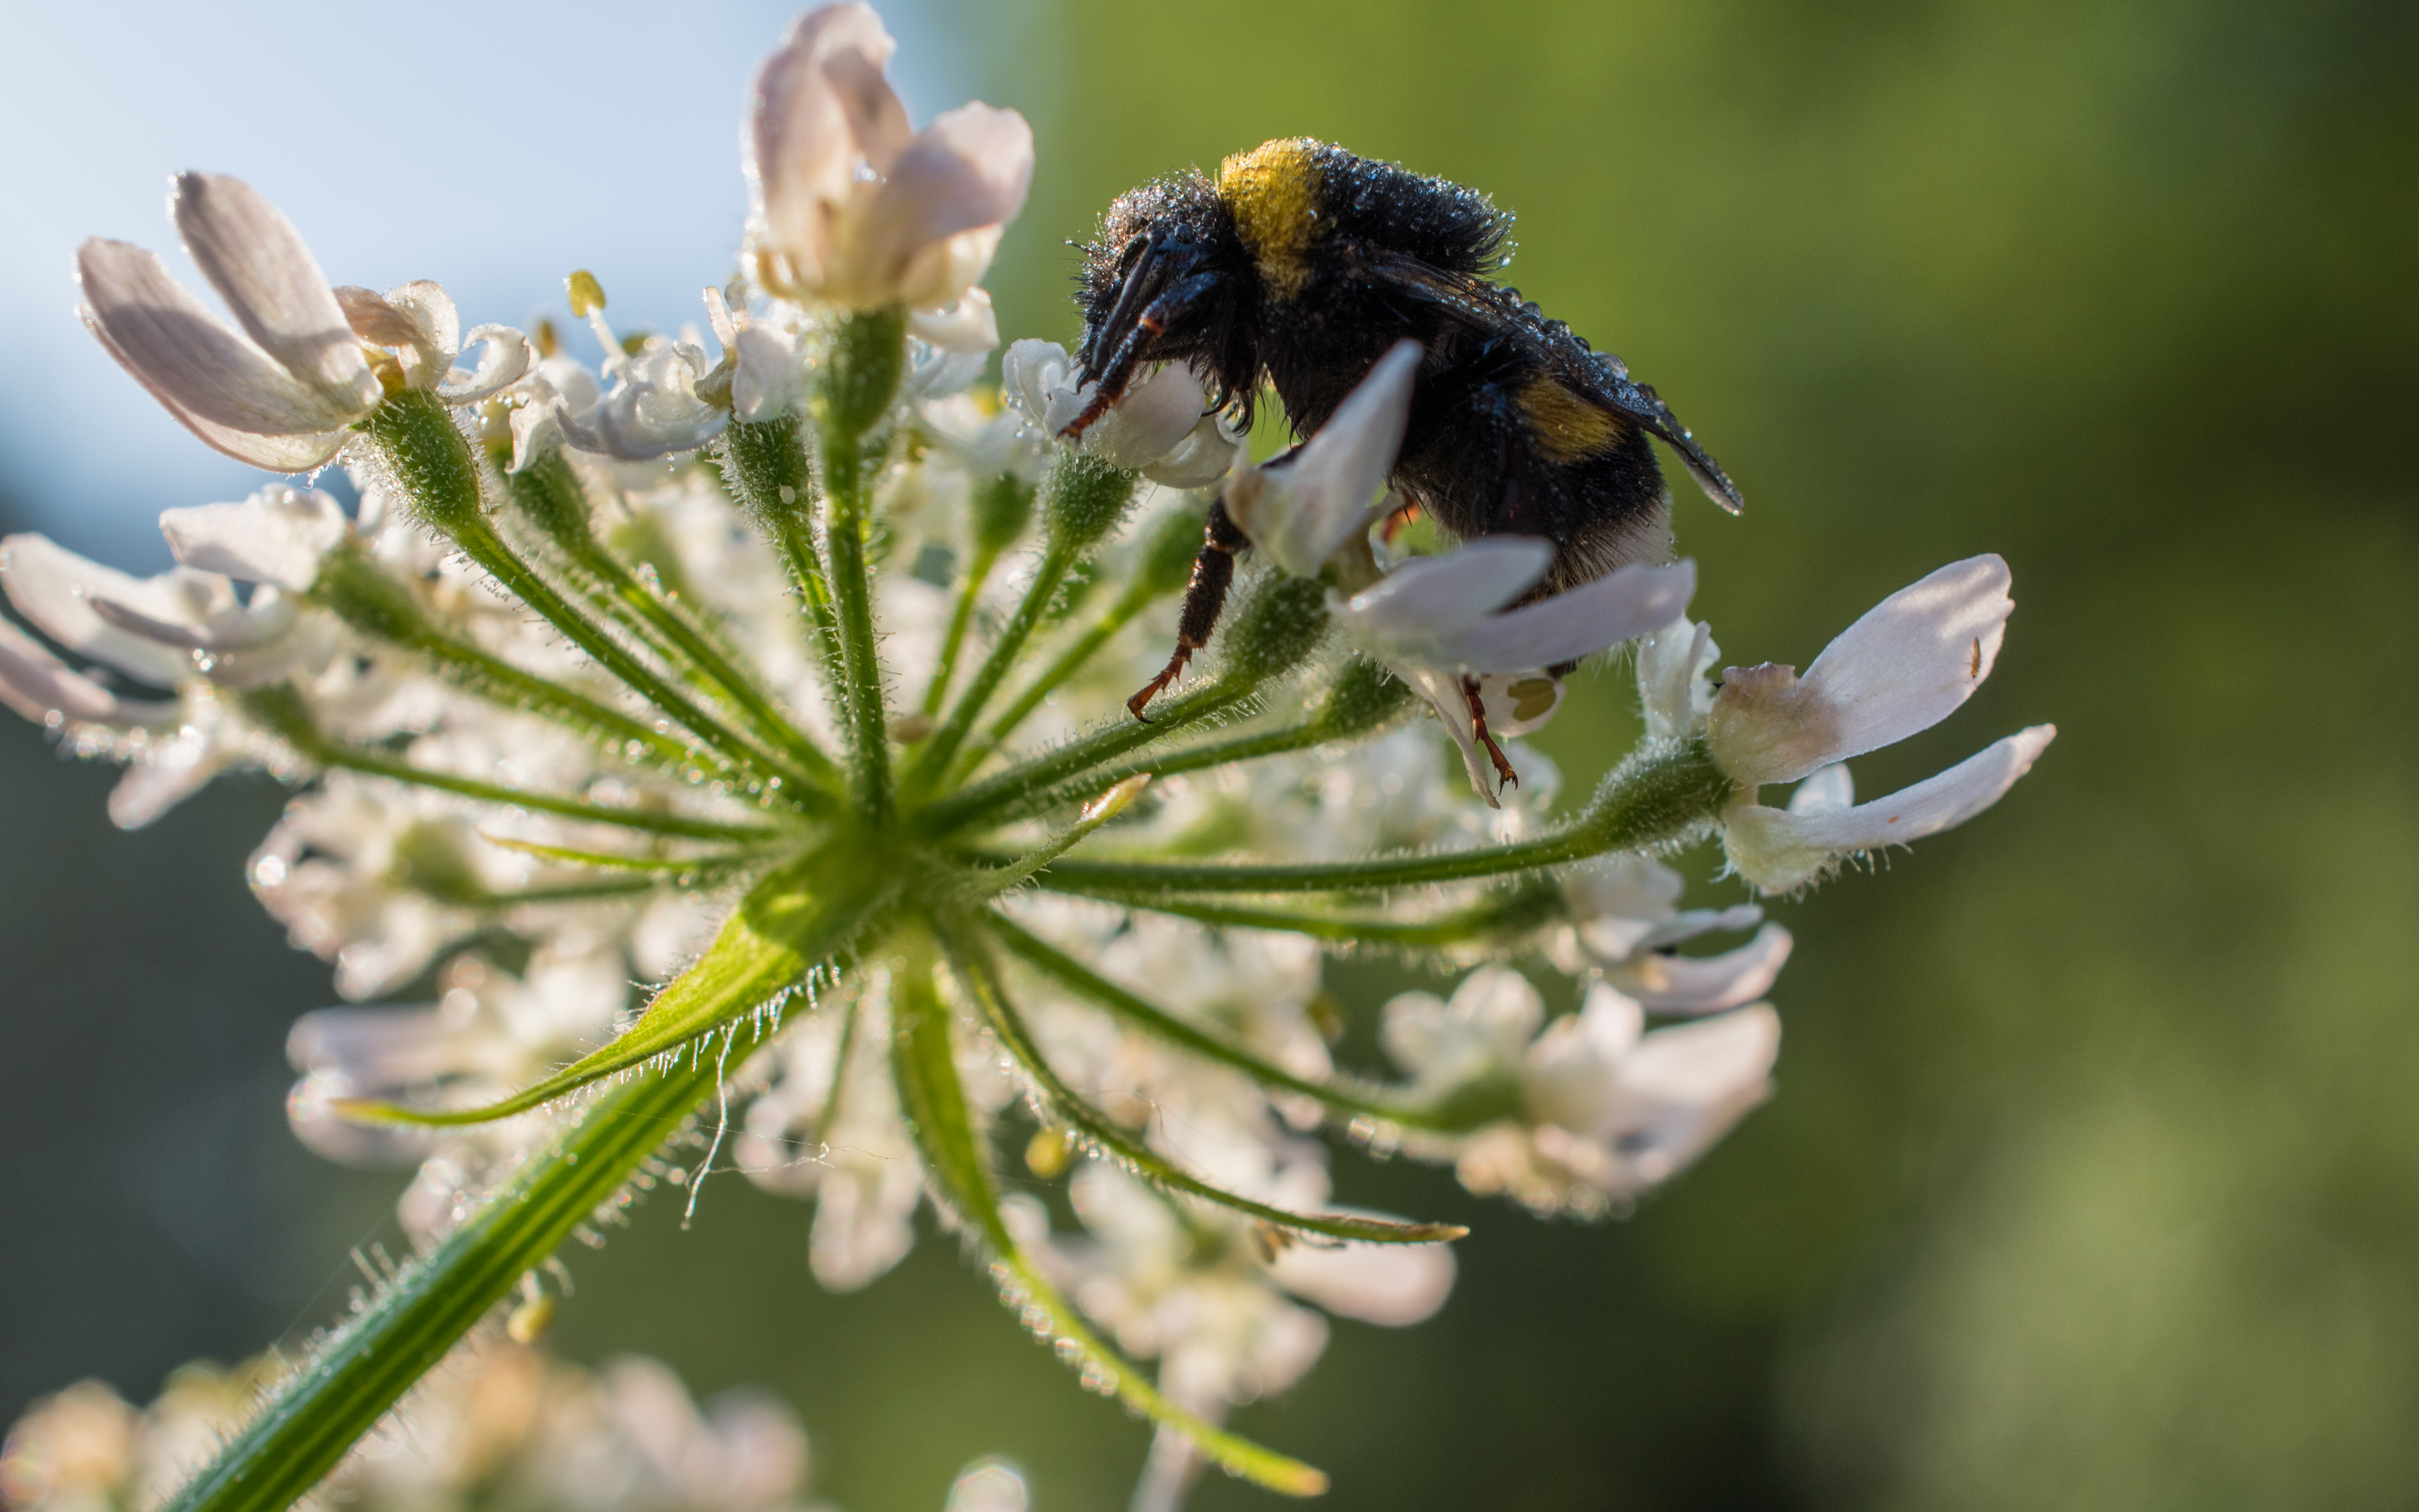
<point>1638,402</point>
<point>1473,299</point>
<point>1486,308</point>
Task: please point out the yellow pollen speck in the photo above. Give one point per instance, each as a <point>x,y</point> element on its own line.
<point>585,292</point>
<point>1273,192</point>
<point>1566,426</point>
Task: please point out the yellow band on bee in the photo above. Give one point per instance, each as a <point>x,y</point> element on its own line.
<point>1273,192</point>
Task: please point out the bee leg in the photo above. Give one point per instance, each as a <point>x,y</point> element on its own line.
<point>1117,368</point>
<point>1504,776</point>
<point>1205,596</point>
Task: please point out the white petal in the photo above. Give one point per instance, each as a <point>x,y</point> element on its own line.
<point>166,773</point>
<point>1299,511</point>
<point>254,258</point>
<point>1903,668</point>
<point>434,319</point>
<point>1708,983</point>
<point>37,685</point>
<point>970,326</point>
<point>1150,420</point>
<point>770,378</point>
<point>241,627</point>
<point>1684,1087</point>
<point>966,173</point>
<point>1827,790</point>
<point>504,357</point>
<point>1390,1285</point>
<point>1206,454</point>
<point>1777,850</point>
<point>1032,375</point>
<point>819,108</point>
<point>1671,665</point>
<point>380,323</point>
<point>1443,693</point>
<point>1578,623</point>
<point>189,359</point>
<point>1422,611</point>
<point>53,588</point>
<point>278,535</point>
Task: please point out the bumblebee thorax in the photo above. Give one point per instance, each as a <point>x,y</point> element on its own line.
<point>1273,191</point>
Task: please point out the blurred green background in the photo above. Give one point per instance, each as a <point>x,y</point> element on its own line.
<point>2093,1177</point>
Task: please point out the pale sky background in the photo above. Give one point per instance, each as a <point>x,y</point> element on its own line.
<point>491,145</point>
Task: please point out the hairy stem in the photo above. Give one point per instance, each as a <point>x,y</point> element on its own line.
<point>411,1325</point>
<point>1004,793</point>
<point>968,954</point>
<point>1057,560</point>
<point>1345,1096</point>
<point>1663,794</point>
<point>281,710</point>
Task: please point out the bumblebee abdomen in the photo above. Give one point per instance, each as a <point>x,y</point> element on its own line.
<point>1566,426</point>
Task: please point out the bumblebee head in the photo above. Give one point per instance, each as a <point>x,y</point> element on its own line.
<point>1171,278</point>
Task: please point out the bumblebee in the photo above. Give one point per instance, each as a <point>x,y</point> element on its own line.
<point>1302,264</point>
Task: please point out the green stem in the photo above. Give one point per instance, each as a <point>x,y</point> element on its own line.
<point>1058,559</point>
<point>409,1327</point>
<point>1521,910</point>
<point>433,463</point>
<point>280,710</point>
<point>986,800</point>
<point>961,620</point>
<point>768,473</point>
<point>983,984</point>
<point>924,1061</point>
<point>731,681</point>
<point>1663,794</point>
<point>1069,662</point>
<point>1190,759</point>
<point>364,597</point>
<point>551,498</point>
<point>1346,1096</point>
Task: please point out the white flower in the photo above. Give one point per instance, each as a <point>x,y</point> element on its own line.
<point>183,630</point>
<point>1308,503</point>
<point>1448,611</point>
<point>654,409</point>
<point>1674,695</point>
<point>836,1133</point>
<point>1621,1110</point>
<point>1778,849</point>
<point>1903,668</point>
<point>278,536</point>
<point>1625,921</point>
<point>850,206</point>
<point>1202,1294</point>
<point>1160,428</point>
<point>1606,1111</point>
<point>556,385</point>
<point>489,1034</point>
<point>279,393</point>
<point>1480,1034</point>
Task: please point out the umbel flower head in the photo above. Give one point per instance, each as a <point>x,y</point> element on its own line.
<point>816,723</point>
